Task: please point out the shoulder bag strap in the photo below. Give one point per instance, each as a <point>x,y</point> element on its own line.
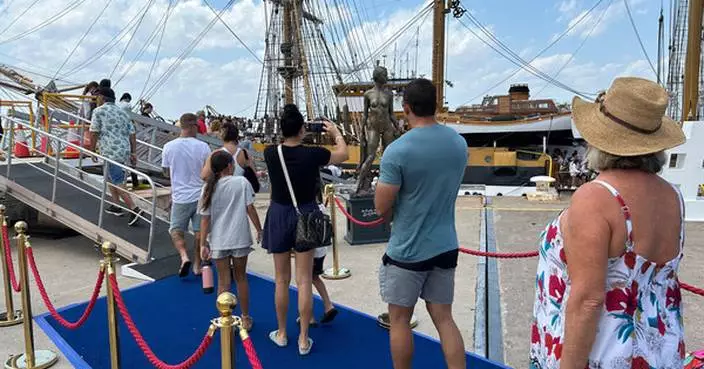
<point>288,179</point>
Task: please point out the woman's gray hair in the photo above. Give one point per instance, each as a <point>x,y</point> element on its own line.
<point>601,161</point>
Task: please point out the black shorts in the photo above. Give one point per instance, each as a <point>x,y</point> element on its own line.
<point>318,266</point>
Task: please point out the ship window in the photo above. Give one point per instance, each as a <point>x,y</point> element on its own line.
<point>677,161</point>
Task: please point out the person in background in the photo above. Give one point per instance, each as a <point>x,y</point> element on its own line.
<point>88,104</point>
<point>226,202</point>
<point>607,294</point>
<point>114,134</point>
<point>146,109</point>
<point>574,172</point>
<point>419,196</point>
<point>214,128</point>
<point>230,136</point>
<point>303,164</point>
<point>182,160</point>
<point>202,127</point>
<point>125,101</point>
<point>105,83</point>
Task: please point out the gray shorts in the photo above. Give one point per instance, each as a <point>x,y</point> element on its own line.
<point>182,215</point>
<point>402,287</point>
<point>235,253</point>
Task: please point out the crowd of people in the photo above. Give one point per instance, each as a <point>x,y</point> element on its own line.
<point>571,170</point>
<point>575,325</point>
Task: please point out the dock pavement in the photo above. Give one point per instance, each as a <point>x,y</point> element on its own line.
<point>69,265</point>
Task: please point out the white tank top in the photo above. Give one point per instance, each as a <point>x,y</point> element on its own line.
<point>239,171</point>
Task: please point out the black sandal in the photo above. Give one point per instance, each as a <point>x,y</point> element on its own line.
<point>184,268</point>
<point>329,316</point>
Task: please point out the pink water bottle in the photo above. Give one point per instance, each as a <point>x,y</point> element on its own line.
<point>207,274</point>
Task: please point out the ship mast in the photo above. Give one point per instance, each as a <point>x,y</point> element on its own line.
<point>693,61</point>
<point>438,65</point>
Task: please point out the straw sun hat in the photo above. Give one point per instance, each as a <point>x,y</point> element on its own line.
<point>628,120</point>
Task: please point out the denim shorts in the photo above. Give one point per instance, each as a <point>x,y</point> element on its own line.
<point>279,234</point>
<point>403,287</point>
<point>115,174</point>
<point>181,214</point>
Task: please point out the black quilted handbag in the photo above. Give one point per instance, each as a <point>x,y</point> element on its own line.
<point>313,229</point>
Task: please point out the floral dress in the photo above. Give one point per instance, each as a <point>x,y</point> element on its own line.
<point>641,323</point>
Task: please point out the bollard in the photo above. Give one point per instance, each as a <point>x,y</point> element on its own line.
<point>109,250</point>
<point>336,272</point>
<point>31,358</point>
<point>226,303</point>
<point>11,316</point>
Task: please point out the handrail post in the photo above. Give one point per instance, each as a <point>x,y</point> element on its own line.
<point>336,272</point>
<point>109,250</point>
<point>11,316</point>
<point>31,358</point>
<point>56,175</point>
<point>102,194</point>
<point>225,304</point>
<point>10,148</point>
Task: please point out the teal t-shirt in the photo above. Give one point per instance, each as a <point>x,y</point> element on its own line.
<point>428,164</point>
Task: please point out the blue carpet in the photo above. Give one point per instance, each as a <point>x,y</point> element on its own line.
<point>173,315</point>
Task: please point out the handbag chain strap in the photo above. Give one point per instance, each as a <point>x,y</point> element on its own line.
<point>288,179</point>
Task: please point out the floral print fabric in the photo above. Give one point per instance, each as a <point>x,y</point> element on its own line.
<point>641,323</point>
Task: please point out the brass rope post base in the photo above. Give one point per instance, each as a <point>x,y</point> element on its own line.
<point>336,272</point>
<point>10,316</point>
<point>31,358</point>
<point>226,303</point>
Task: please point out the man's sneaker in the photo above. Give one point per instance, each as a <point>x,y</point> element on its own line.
<point>134,216</point>
<point>114,210</point>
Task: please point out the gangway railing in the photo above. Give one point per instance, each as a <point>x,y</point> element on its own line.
<point>78,175</point>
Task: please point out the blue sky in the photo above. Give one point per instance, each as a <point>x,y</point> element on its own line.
<point>221,73</point>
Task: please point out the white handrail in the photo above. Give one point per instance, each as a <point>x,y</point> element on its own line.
<point>14,121</point>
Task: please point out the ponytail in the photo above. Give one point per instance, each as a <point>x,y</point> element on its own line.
<point>219,161</point>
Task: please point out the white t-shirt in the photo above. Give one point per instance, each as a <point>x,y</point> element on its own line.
<point>185,157</point>
<point>229,224</point>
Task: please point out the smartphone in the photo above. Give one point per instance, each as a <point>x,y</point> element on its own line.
<point>315,127</point>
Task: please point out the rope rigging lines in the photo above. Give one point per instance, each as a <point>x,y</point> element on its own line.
<point>115,40</point>
<point>172,68</point>
<point>43,24</point>
<point>640,41</point>
<point>107,4</point>
<point>158,49</point>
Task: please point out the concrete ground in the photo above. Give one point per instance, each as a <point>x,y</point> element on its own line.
<point>69,266</point>
<point>519,230</point>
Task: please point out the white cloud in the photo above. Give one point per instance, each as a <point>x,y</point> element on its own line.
<point>567,6</point>
<point>221,73</point>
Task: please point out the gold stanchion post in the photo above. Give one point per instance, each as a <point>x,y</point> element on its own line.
<point>31,358</point>
<point>226,303</point>
<point>336,272</point>
<point>109,250</point>
<point>11,316</point>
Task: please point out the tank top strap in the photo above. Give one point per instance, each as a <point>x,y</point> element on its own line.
<point>682,225</point>
<point>624,210</point>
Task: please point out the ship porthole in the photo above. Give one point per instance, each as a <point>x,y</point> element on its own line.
<point>487,159</point>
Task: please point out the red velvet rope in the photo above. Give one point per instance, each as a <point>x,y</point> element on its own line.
<point>148,353</point>
<point>251,353</point>
<point>52,310</point>
<point>692,289</point>
<point>515,255</point>
<point>358,222</point>
<point>8,259</point>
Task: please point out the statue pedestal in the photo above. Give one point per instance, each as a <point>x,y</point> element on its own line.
<point>362,208</point>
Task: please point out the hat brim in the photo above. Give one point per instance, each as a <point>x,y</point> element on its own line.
<point>613,138</point>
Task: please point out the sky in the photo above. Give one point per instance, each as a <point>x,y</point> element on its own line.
<point>82,40</point>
